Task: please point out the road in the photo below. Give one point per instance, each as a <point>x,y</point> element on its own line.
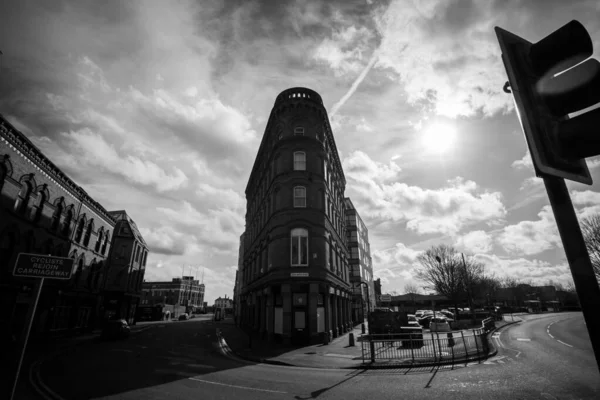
<point>180,360</point>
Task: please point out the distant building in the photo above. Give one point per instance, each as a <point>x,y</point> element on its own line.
<point>185,291</point>
<point>377,286</point>
<point>361,264</point>
<point>126,268</point>
<point>223,302</point>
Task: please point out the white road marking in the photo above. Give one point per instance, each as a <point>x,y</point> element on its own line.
<point>501,362</point>
<point>524,340</point>
<point>236,386</point>
<point>566,344</point>
<point>550,335</point>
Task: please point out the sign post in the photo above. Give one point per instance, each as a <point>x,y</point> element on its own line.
<point>38,266</point>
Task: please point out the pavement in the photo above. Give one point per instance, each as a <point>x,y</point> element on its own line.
<point>339,354</point>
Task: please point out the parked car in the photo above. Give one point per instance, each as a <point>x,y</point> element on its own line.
<point>424,321</point>
<point>115,329</point>
<point>413,321</point>
<point>420,313</point>
<point>439,325</point>
<point>184,317</point>
<point>447,314</point>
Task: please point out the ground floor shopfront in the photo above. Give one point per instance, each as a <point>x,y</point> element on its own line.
<point>297,313</point>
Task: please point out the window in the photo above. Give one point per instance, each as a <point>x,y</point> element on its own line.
<point>99,239</point>
<point>88,232</point>
<point>145,256</point>
<point>299,243</point>
<point>299,196</point>
<point>137,254</point>
<point>2,176</point>
<point>354,252</point>
<point>23,198</point>
<point>56,216</point>
<point>66,228</point>
<point>36,210</point>
<point>299,161</point>
<point>106,238</point>
<point>299,130</point>
<point>325,169</point>
<point>79,232</point>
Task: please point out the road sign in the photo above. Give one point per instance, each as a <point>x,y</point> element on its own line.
<point>385,298</point>
<point>41,266</point>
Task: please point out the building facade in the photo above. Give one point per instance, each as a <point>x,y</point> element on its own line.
<point>42,211</point>
<point>223,302</point>
<point>361,263</point>
<point>238,281</point>
<point>295,276</point>
<point>185,291</point>
<point>126,269</point>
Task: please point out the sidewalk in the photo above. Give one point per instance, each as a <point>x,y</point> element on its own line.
<point>338,353</point>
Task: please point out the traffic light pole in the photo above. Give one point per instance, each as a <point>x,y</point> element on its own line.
<point>584,278</point>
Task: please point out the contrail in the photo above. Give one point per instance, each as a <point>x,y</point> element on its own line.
<point>354,86</point>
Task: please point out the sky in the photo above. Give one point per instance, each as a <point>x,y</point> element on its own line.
<point>159,108</point>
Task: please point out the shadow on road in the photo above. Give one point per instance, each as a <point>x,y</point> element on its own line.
<point>161,355</point>
<point>317,393</point>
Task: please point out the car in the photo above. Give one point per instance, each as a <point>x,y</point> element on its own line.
<point>439,325</point>
<point>115,329</point>
<point>424,321</point>
<point>184,317</point>
<point>447,314</point>
<point>413,321</point>
<point>419,313</point>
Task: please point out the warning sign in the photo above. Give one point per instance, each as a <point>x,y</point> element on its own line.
<point>40,266</point>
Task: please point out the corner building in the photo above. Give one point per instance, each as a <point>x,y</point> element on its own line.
<point>295,281</point>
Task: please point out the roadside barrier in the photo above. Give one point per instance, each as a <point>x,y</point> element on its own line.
<point>410,349</point>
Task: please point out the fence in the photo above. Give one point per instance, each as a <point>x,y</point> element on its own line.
<point>425,348</point>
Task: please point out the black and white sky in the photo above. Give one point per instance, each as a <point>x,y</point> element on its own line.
<point>158,107</point>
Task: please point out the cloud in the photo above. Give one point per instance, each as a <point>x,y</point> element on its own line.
<point>523,269</point>
<point>165,240</point>
<point>443,211</point>
<point>459,78</point>
<point>524,163</point>
<point>531,237</point>
<point>476,242</point>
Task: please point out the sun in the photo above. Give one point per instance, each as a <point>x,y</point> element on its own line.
<point>439,137</point>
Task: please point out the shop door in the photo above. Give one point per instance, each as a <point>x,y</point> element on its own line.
<point>300,332</point>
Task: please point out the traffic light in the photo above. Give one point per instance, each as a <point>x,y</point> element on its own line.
<point>550,80</point>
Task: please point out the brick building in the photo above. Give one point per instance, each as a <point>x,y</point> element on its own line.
<point>361,263</point>
<point>295,275</point>
<point>238,281</point>
<point>126,269</point>
<point>42,211</point>
<point>185,291</point>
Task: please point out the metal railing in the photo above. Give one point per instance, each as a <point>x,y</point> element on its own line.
<point>426,348</point>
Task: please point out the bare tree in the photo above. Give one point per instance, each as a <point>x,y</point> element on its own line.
<point>509,282</point>
<point>440,270</point>
<point>412,290</point>
<point>590,227</point>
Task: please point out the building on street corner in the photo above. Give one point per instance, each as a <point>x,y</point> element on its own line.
<point>126,268</point>
<point>295,280</point>
<point>182,294</point>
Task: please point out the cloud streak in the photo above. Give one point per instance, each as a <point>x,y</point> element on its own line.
<point>354,86</point>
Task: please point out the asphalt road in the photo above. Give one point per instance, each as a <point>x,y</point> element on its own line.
<point>181,360</point>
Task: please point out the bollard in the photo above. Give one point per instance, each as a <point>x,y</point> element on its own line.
<point>450,339</point>
<point>372,348</point>
<point>362,327</point>
<point>326,338</point>
<point>351,339</point>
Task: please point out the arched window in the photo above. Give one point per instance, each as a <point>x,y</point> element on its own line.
<point>88,232</point>
<point>66,227</point>
<point>299,196</point>
<point>106,239</point>
<point>2,176</point>
<point>23,198</point>
<point>38,207</point>
<point>7,248</point>
<point>77,275</point>
<point>80,226</point>
<point>299,161</point>
<point>56,216</point>
<point>99,239</point>
<point>299,247</point>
